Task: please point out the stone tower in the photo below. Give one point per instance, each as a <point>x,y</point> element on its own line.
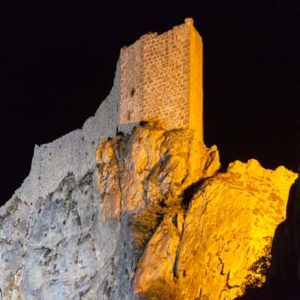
<point>161,76</point>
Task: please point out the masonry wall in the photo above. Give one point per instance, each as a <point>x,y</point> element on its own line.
<point>73,153</point>
<point>166,68</point>
<point>131,80</point>
<point>161,76</point>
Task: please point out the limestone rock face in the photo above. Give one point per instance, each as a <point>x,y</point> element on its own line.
<point>55,249</point>
<point>228,231</point>
<point>141,180</point>
<point>83,240</point>
<point>223,243</point>
<point>153,219</point>
<point>151,167</point>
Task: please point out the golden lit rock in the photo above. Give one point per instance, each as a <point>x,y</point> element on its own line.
<point>107,179</point>
<point>200,234</point>
<point>228,231</point>
<point>145,174</point>
<point>152,166</point>
<point>156,265</point>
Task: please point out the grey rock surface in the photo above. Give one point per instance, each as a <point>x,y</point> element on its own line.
<point>58,237</point>
<point>59,248</point>
<point>137,219</point>
<point>52,242</point>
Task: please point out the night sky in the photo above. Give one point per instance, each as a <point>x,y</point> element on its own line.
<point>57,63</point>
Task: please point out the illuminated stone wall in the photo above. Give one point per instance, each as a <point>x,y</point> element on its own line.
<point>161,76</point>
<point>131,80</point>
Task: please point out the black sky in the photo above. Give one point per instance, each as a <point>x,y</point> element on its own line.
<point>57,61</point>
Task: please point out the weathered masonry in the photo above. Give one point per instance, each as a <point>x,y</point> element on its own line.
<point>161,76</point>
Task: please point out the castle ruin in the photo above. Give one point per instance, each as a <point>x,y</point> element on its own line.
<point>157,76</point>
<point>161,76</point>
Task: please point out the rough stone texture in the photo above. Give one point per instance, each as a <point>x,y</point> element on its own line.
<point>222,246</point>
<point>142,178</point>
<point>57,250</point>
<point>161,76</point>
<point>153,220</point>
<point>71,153</point>
<point>152,166</point>
<point>234,215</point>
<point>73,244</point>
<point>49,227</point>
<point>143,215</point>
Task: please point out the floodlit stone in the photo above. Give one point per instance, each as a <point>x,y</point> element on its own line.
<point>227,235</point>
<point>144,213</point>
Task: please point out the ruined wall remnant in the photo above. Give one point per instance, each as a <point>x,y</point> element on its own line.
<point>161,76</point>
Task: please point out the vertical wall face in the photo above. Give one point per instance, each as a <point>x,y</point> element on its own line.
<point>161,76</point>
<point>131,84</point>
<point>196,83</point>
<point>166,77</point>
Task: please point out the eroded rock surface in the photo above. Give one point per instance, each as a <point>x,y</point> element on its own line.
<point>142,179</point>
<point>229,229</point>
<point>56,249</point>
<point>154,219</point>
<point>224,242</point>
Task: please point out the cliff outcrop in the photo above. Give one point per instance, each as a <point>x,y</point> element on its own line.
<point>201,234</point>
<point>155,219</point>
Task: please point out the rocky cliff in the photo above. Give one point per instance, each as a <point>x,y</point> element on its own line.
<point>147,214</point>
<point>152,219</point>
